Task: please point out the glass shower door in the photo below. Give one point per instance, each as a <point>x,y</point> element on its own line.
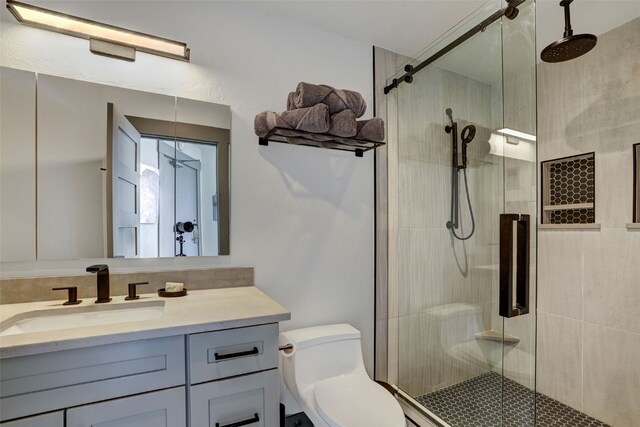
<point>520,198</point>
<point>464,359</point>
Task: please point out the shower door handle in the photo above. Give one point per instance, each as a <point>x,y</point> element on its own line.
<point>514,266</point>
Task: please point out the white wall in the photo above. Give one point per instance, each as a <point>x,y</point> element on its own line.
<point>302,217</point>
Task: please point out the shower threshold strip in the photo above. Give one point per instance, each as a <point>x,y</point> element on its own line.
<point>489,400</point>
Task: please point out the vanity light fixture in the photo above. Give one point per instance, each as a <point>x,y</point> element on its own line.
<point>104,39</point>
<point>517,134</point>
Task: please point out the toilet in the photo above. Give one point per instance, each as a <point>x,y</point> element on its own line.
<point>324,373</point>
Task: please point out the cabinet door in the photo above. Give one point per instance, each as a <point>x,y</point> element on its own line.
<point>54,419</point>
<point>249,400</point>
<point>62,379</point>
<point>164,408</point>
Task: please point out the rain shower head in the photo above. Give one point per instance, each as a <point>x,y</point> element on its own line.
<point>571,46</point>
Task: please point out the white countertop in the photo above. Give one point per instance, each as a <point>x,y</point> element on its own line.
<point>199,311</point>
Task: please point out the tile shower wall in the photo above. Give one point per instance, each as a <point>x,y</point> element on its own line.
<point>441,292</point>
<point>385,64</point>
<point>444,289</point>
<point>589,281</point>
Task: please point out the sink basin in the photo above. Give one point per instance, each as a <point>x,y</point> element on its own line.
<point>76,317</point>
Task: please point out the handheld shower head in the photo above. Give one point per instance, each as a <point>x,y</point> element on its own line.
<point>468,133</point>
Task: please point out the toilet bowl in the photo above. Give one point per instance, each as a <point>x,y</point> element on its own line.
<point>325,374</point>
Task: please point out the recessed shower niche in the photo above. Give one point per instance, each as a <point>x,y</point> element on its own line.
<point>568,190</point>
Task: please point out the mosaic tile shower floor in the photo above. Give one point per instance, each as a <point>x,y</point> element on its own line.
<point>477,402</point>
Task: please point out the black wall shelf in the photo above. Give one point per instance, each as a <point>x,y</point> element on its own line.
<point>319,140</point>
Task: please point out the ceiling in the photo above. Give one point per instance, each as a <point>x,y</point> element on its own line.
<point>402,26</point>
<point>407,26</point>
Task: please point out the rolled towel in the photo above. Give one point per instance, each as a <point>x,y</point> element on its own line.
<point>312,119</point>
<point>343,124</point>
<point>308,94</point>
<point>291,104</point>
<point>371,130</point>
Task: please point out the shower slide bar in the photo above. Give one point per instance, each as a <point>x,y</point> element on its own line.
<point>510,11</point>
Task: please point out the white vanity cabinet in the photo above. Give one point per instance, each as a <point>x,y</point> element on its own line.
<point>51,381</point>
<point>215,378</point>
<point>234,377</point>
<point>210,360</point>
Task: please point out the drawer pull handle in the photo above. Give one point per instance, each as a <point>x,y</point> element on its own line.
<point>255,419</point>
<point>234,355</point>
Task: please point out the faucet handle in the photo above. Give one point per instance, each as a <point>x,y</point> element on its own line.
<point>132,290</point>
<point>72,294</point>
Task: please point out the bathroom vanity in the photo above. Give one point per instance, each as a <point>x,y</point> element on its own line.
<point>207,359</point>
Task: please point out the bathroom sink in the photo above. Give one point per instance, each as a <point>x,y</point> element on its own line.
<point>76,317</point>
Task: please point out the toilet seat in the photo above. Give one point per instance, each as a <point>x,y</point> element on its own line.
<point>355,401</point>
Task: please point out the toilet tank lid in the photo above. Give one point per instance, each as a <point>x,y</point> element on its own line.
<point>315,335</point>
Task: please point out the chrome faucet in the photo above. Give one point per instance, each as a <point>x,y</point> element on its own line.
<point>102,272</point>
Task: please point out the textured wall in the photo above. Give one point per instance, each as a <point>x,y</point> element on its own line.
<point>589,281</point>
<point>302,217</point>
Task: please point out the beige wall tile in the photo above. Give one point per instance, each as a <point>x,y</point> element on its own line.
<point>588,281</point>
<point>614,183</point>
<point>612,375</point>
<point>560,273</point>
<point>386,63</point>
<point>39,288</point>
<point>559,363</point>
<point>612,279</point>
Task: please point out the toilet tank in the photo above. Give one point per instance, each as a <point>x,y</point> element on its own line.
<point>320,352</point>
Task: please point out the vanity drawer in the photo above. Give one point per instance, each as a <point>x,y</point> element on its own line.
<point>222,354</point>
<point>252,399</point>
<point>50,381</point>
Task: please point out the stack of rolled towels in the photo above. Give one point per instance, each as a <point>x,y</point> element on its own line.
<point>322,109</point>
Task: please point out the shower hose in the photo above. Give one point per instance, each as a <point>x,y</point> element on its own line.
<point>454,199</point>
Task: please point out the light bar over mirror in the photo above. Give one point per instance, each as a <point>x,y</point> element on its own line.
<point>106,40</point>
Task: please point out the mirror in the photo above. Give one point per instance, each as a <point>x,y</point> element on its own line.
<point>118,173</point>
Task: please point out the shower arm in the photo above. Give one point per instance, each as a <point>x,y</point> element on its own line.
<point>568,32</point>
